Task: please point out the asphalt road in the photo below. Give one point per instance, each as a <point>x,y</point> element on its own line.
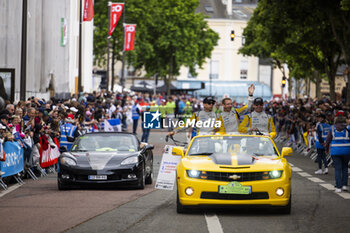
<point>38,206</point>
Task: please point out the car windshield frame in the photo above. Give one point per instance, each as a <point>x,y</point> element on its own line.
<point>212,144</point>
<point>106,142</point>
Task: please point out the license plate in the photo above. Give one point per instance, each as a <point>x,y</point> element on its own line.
<point>235,188</point>
<point>98,177</point>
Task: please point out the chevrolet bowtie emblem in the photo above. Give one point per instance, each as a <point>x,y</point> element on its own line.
<point>234,177</point>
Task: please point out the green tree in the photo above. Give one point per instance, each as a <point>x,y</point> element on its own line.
<point>169,35</point>
<point>298,36</point>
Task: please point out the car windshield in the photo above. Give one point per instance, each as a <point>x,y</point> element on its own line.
<point>106,142</point>
<point>254,146</point>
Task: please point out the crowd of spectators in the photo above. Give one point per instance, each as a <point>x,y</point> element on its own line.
<point>36,116</point>
<point>36,119</point>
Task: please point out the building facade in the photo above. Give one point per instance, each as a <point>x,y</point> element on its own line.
<point>227,72</point>
<point>52,47</point>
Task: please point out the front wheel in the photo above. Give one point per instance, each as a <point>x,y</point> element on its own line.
<point>142,179</point>
<point>288,208</point>
<point>61,186</point>
<point>149,178</point>
<point>180,209</point>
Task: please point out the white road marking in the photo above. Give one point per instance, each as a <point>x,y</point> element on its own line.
<point>316,180</point>
<point>328,186</point>
<point>213,224</point>
<point>304,174</point>
<point>296,169</point>
<point>10,189</point>
<point>344,195</point>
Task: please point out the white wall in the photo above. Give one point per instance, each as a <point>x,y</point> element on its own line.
<point>10,38</point>
<point>46,57</point>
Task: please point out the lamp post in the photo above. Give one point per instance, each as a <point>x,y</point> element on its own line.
<point>24,50</point>
<point>80,88</point>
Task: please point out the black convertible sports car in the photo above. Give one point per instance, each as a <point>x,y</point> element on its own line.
<point>106,158</point>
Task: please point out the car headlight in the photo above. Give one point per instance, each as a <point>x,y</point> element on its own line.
<point>68,161</point>
<point>130,160</point>
<point>275,174</point>
<point>193,173</point>
<point>197,174</point>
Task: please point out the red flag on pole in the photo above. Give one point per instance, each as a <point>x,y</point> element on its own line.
<point>116,12</point>
<point>129,39</point>
<point>88,14</point>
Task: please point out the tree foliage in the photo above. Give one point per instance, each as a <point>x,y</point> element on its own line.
<point>169,34</point>
<point>307,35</point>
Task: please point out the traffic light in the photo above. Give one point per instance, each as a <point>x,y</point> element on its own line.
<point>283,82</point>
<point>232,35</point>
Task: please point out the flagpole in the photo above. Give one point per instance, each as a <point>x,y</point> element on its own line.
<point>122,78</point>
<point>80,89</point>
<point>108,44</point>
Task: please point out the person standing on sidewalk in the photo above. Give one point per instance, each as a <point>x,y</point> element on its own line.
<point>135,111</point>
<point>322,129</point>
<point>170,112</point>
<point>145,131</point>
<point>338,144</point>
<point>162,110</point>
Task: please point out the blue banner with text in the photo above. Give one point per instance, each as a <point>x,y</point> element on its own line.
<point>14,162</point>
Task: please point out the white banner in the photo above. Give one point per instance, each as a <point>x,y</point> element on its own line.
<point>167,171</point>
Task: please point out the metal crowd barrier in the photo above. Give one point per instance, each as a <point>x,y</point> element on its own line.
<point>300,147</point>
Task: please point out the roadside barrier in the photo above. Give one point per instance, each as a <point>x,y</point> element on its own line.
<point>303,144</point>
<point>14,163</point>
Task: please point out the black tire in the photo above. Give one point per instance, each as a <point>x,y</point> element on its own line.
<point>142,179</point>
<point>61,186</point>
<point>180,209</point>
<point>149,178</point>
<point>288,208</point>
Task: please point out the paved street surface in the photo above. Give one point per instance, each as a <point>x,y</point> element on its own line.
<point>38,206</point>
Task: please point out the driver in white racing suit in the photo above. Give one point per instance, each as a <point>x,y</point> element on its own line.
<point>258,120</point>
<point>230,116</point>
<point>205,115</point>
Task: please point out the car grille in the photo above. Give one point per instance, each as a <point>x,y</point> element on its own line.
<point>241,176</point>
<point>224,196</point>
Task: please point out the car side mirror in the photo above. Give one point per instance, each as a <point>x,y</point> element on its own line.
<point>143,145</point>
<point>286,151</point>
<point>62,149</point>
<point>146,146</point>
<point>177,151</point>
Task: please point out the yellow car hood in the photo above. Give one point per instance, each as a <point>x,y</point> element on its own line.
<point>234,161</point>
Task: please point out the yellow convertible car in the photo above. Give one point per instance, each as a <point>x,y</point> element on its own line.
<point>233,170</point>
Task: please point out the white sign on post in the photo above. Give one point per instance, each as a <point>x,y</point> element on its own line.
<point>167,171</point>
